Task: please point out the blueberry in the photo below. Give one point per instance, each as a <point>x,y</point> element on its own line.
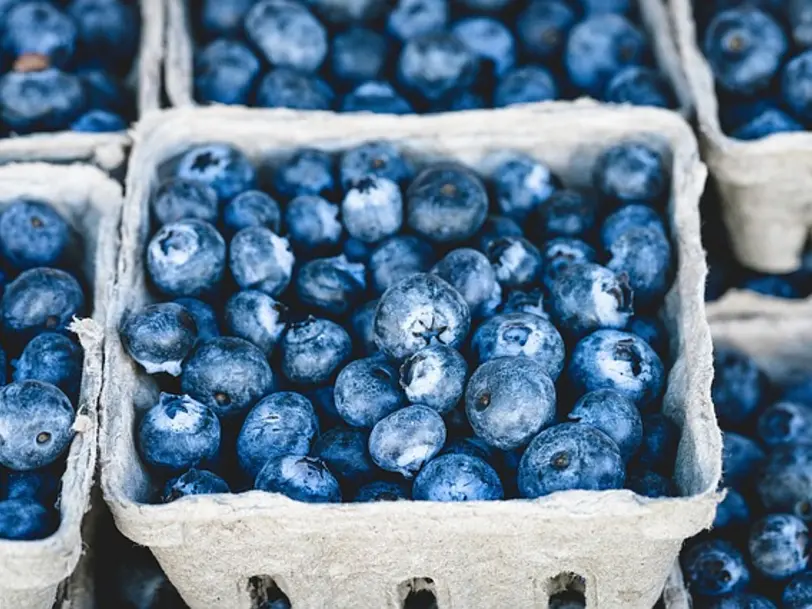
<point>778,546</point>
<point>457,477</point>
<point>333,286</point>
<point>108,32</point>
<point>226,72</point>
<point>313,349</point>
<point>104,91</point>
<point>358,55</point>
<point>261,260</point>
<point>565,213</point>
<point>218,18</point>
<point>446,203</point>
<point>714,568</point>
<point>227,374</point>
<point>785,484</point>
<point>40,299</point>
<point>434,377</point>
<point>639,86</point>
<point>612,414</point>
<point>798,592</point>
<point>795,86</point>
<point>397,258</point>
<point>252,208</point>
<point>376,96</point>
<point>591,7</point>
<point>345,452</point>
<point>411,18</point>
<point>178,433</point>
<point>785,423</point>
<point>287,35</point>
<point>203,316</point>
<point>301,478</point>
<point>609,359</point>
<point>419,311</point>
<point>366,391</point>
<point>221,166</point>
<point>306,172</point>
<point>372,209</point>
<point>381,490</point>
<point>313,224</point>
<point>738,386</point>
<point>33,234</point>
<point>40,100</point>
<point>627,218</point>
<point>643,255</point>
<point>491,41</point>
<point>524,85</point>
<point>561,252</point>
<point>186,258</point>
<point>543,27</point>
<point>340,12</point>
<point>379,159</point>
<point>256,317</point>
<point>280,424</point>
<point>570,456</point>
<point>522,184</point>
<point>661,436</point>
<point>363,328</point>
<point>39,28</point>
<point>470,273</point>
<point>531,302</point>
<point>159,337</point>
<point>772,120</point>
<point>631,172</point>
<point>405,440</point>
<point>599,47</point>
<point>41,485</point>
<point>24,519</point>
<point>286,88</point>
<point>437,66</point>
<point>516,262</point>
<point>745,48</point>
<point>51,358</point>
<point>178,199</point>
<point>323,400</point>
<point>466,100</point>
<point>780,286</point>
<point>732,511</point>
<point>193,482</point>
<point>98,121</point>
<point>496,227</point>
<point>651,484</point>
<point>653,331</point>
<point>800,20</point>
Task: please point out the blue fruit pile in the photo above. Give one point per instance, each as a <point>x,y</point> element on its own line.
<point>760,53</point>
<point>422,55</point>
<point>374,330</point>
<point>62,65</point>
<point>756,556</point>
<point>39,251</point>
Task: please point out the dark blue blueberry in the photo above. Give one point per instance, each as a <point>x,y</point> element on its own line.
<point>658,452</point>
<point>340,12</point>
<point>39,28</point>
<point>41,299</point>
<point>486,6</point>
<point>256,317</point>
<point>780,286</point>
<point>796,86</point>
<point>457,477</point>
<point>437,66</point>
<point>221,166</point>
<point>798,593</point>
<point>379,158</point>
<point>108,32</point>
<point>592,7</point>
<point>490,40</point>
<point>631,172</point>
<point>732,512</point>
<point>260,259</point>
<point>280,424</point>
<point>313,224</point>
<point>372,209</point>
<point>252,208</point>
<point>186,258</point>
<point>419,311</point>
<point>51,358</point>
<point>778,546</point>
<point>714,568</point>
<point>40,100</point>
<point>405,440</point>
<point>651,484</point>
<point>772,120</point>
<point>525,85</point>
<point>739,387</point>
<point>25,519</point>
<point>800,20</point>
<point>627,218</point>
<point>798,391</point>
<point>41,485</point>
<point>599,47</point>
<point>306,172</point>
<point>178,199</point>
<point>614,415</point>
<point>509,400</point>
<point>742,459</point>
<point>570,456</point>
<point>466,100</point>
<point>516,262</point>
<point>345,452</point>
<point>287,34</point>
<point>333,286</point>
<point>193,482</point>
<point>33,234</point>
<point>411,18</point>
<point>639,86</point>
<point>785,423</point>
<point>323,400</point>
<point>159,337</point>
<point>495,227</point>
<point>559,253</point>
<point>785,484</point>
<point>104,91</point>
<point>227,374</point>
<point>522,184</point>
<point>376,96</point>
<point>435,377</point>
<point>470,273</point>
<point>36,424</point>
<point>531,302</point>
<point>745,48</point>
<point>382,490</point>
<point>653,331</point>
<point>178,433</point>
<point>358,55</point>
<point>226,72</point>
<point>609,359</point>
<point>643,255</point>
<point>363,328</point>
<point>366,391</point>
<point>543,27</point>
<point>397,258</point>
<point>566,213</point>
<point>204,317</point>
<point>301,478</point>
<point>286,88</point>
<point>313,350</point>
<point>740,601</point>
<point>219,18</point>
<point>99,121</point>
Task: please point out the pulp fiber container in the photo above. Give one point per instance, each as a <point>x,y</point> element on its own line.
<point>223,551</point>
<point>180,50</point>
<point>33,573</point>
<point>765,185</point>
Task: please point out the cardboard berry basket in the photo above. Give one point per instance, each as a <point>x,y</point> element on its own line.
<point>180,50</point>
<point>221,550</point>
<point>33,574</point>
<point>105,150</point>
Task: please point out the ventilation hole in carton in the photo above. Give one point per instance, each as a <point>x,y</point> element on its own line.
<point>266,594</point>
<point>567,591</point>
<point>418,593</point>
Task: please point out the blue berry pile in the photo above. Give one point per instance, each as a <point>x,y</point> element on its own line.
<point>421,55</point>
<point>40,363</point>
<point>375,328</point>
<point>63,65</point>
<point>756,556</point>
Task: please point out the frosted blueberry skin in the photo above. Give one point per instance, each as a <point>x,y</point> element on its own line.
<point>306,172</point>
<point>47,100</point>
<point>509,400</point>
<point>376,96</point>
<point>561,252</point>
<point>252,208</point>
<point>304,479</point>
<point>631,172</point>
<point>436,66</point>
<point>651,484</point>
<point>525,85</point>
<point>798,593</point>
<point>543,27</point>
<point>372,209</point>
<point>410,18</point>
<point>193,482</point>
<point>490,40</point>
<point>186,258</point>
<point>733,511</point>
<point>33,234</point>
<point>256,317</point>
<point>358,55</point>
<point>714,568</point>
<point>658,451</point>
<point>38,300</point>
<point>795,81</point>
<point>25,519</point>
<point>282,423</point>
<point>286,88</point>
<point>159,337</point>
<point>382,490</point>
<point>398,258</point>
<point>36,425</point>
<point>639,86</point>
<point>419,311</point>
<point>363,330</point>
<point>313,225</point>
<point>644,256</point>
<point>260,259</point>
<point>470,273</point>
<point>742,460</point>
<point>227,374</point>
<point>221,166</point>
<point>287,35</point>
<point>493,228</point>
<point>778,546</point>
<point>739,387</point>
<point>566,213</point>
<point>530,302</point>
<point>225,72</point>
<point>785,484</point>
<point>627,218</point>
<point>434,377</point>
<point>39,28</point>
<point>405,440</point>
<point>785,423</point>
<point>379,158</point>
<point>346,453</point>
<point>51,358</point>
<point>203,315</point>
<point>331,286</point>
<point>516,262</point>
<point>366,391</point>
<point>457,477</point>
<point>612,414</point>
<point>313,350</point>
<point>522,184</point>
<point>178,199</point>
